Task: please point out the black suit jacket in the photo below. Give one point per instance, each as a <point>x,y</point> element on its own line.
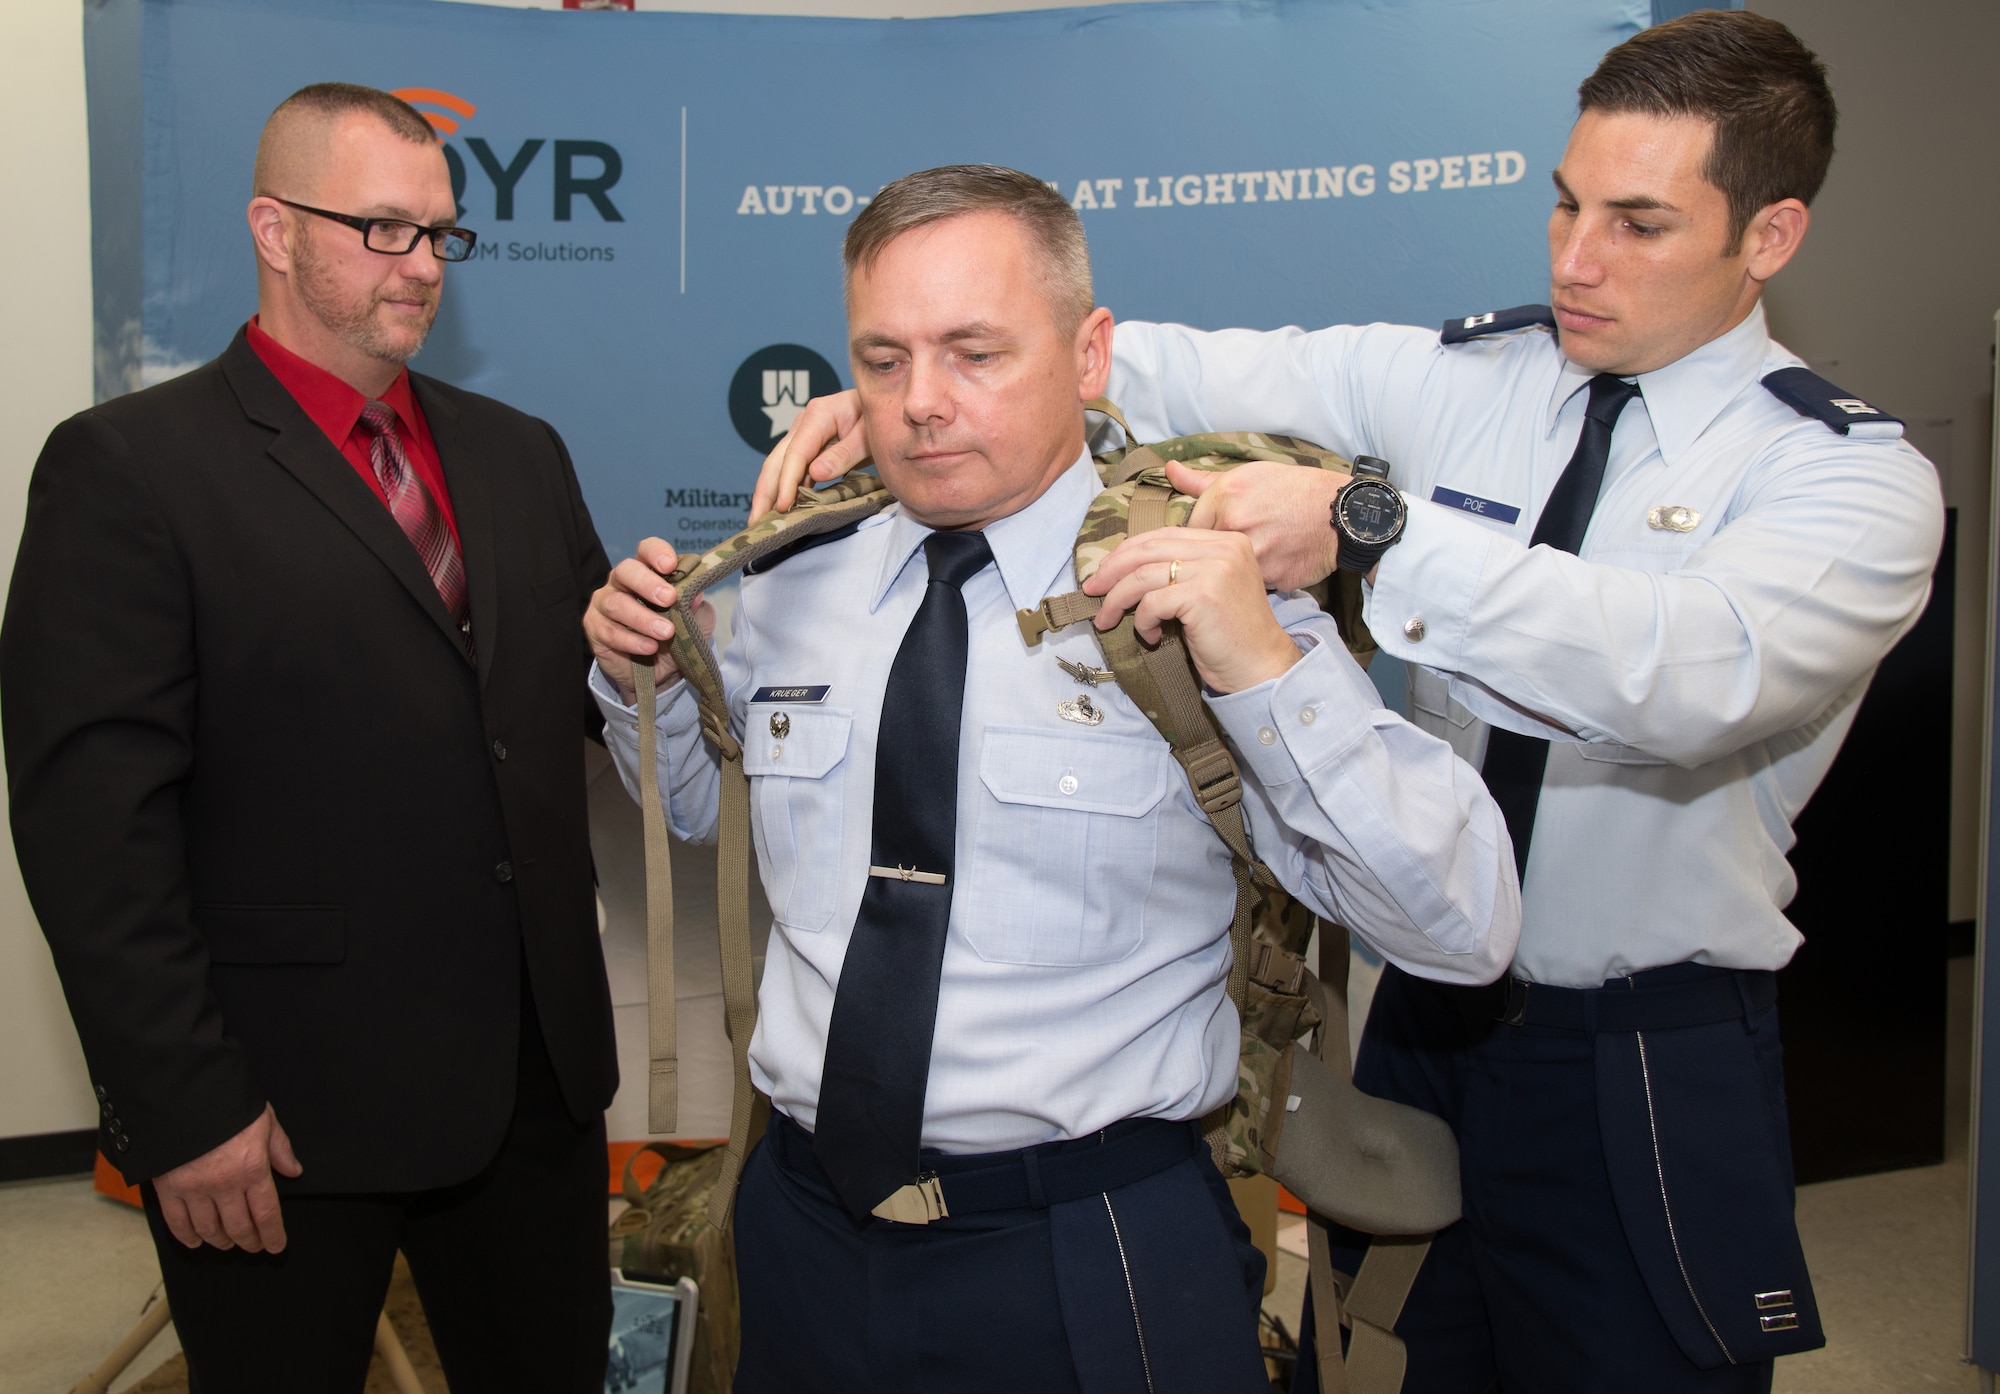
<point>286,840</point>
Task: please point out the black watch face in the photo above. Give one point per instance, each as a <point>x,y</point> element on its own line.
<point>1371,512</point>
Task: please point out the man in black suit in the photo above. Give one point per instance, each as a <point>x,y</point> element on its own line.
<point>294,729</point>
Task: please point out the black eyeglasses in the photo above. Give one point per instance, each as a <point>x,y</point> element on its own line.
<point>398,237</point>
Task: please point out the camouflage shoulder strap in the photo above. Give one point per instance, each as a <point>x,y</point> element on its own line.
<point>1267,964</point>
<point>818,511</point>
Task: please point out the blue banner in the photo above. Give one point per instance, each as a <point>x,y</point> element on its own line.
<point>660,197</point>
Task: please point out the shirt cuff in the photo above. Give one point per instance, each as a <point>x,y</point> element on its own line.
<point>1297,721</point>
<point>612,705</point>
<point>1420,605</point>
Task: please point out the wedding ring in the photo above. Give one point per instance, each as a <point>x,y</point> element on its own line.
<point>1173,573</point>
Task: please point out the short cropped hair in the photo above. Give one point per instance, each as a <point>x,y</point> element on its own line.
<point>1764,92</point>
<point>932,195</point>
<point>322,104</point>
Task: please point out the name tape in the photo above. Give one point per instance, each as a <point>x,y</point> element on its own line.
<point>1472,503</point>
<point>792,694</point>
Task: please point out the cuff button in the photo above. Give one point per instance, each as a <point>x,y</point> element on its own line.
<point>1266,736</point>
<point>1413,628</point>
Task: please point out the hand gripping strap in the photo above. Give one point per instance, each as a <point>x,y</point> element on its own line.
<point>818,511</point>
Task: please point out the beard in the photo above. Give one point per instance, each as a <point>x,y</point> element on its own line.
<point>352,315</point>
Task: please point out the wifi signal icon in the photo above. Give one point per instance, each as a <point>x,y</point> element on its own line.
<point>421,97</point>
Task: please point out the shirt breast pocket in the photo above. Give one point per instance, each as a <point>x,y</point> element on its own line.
<point>1063,853</point>
<point>799,796</point>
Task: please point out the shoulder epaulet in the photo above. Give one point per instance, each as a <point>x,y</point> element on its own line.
<point>1809,394</point>
<point>1459,331</point>
<point>805,544</point>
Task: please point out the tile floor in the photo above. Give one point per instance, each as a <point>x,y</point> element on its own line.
<point>1887,1254</point>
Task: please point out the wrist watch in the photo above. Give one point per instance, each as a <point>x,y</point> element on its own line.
<point>1368,515</point>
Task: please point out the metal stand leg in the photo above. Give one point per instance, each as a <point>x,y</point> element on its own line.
<point>401,1372</point>
<point>151,1323</point>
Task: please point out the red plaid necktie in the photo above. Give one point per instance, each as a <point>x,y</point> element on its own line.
<point>418,513</point>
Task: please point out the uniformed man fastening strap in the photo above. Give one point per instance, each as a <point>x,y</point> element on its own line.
<point>1664,679</point>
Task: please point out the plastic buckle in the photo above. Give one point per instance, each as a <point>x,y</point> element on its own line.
<point>1280,970</point>
<point>1034,623</point>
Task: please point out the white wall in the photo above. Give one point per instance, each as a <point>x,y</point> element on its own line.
<point>44,377</point>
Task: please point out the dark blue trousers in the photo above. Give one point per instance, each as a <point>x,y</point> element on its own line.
<point>1153,1286</point>
<point>1627,1199</point>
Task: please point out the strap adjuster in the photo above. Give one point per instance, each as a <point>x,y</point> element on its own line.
<point>918,1203</point>
<point>715,726</point>
<point>1211,773</point>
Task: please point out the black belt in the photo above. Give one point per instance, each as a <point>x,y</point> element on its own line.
<point>1660,999</point>
<point>1030,1177</point>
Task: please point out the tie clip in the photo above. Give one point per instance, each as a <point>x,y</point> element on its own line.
<point>907,873</point>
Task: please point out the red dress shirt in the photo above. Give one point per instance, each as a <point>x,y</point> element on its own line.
<point>336,409</point>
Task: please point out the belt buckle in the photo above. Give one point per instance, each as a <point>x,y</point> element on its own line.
<point>1514,1005</point>
<point>917,1203</point>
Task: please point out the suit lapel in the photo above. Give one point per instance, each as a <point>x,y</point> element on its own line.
<point>305,452</point>
<point>470,482</point>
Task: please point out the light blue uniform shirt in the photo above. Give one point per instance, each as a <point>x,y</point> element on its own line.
<point>1695,684</point>
<point>1085,966</point>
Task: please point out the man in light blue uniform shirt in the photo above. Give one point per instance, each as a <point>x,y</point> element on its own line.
<point>1653,699</point>
<point>1080,1003</point>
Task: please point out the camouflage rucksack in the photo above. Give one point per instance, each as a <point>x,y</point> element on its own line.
<point>1381,1167</point>
<point>665,1235</point>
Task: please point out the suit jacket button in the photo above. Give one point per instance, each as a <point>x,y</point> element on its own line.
<point>123,1144</point>
<point>499,750</point>
<point>107,1109</point>
<point>100,1093</point>
<point>504,872</point>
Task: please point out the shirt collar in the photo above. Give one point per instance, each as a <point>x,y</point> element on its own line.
<point>1032,548</point>
<point>1684,398</point>
<point>332,404</point>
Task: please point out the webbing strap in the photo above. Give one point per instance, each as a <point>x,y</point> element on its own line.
<point>662,1049</point>
<point>1328,1317</point>
<point>1136,462</point>
<point>820,511</point>
<point>1374,1297</point>
<point>1106,407</point>
<point>1375,1355</point>
<point>739,991</point>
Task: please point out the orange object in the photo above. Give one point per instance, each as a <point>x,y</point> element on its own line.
<point>649,1165</point>
<point>1290,1203</point>
<point>107,1182</point>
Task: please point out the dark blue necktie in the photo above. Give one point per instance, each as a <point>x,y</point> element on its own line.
<point>1514,762</point>
<point>878,1047</point>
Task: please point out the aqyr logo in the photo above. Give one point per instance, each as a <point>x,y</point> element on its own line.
<point>581,169</point>
<point>771,388</point>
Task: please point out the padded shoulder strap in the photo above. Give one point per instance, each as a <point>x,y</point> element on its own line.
<point>818,513</point>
